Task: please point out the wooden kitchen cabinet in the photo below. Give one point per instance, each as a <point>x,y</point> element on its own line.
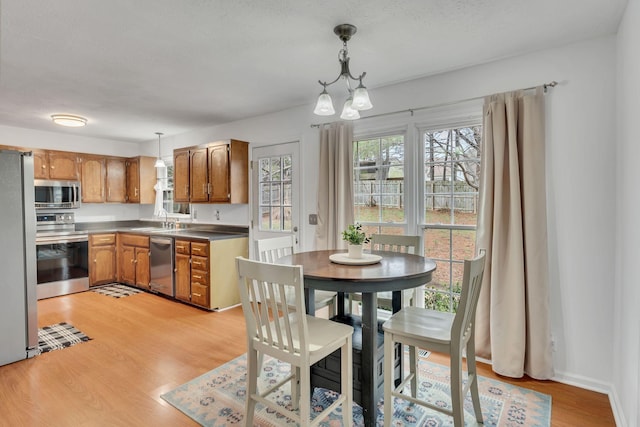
<point>133,264</point>
<point>199,175</point>
<point>204,271</point>
<point>192,272</point>
<point>183,270</point>
<point>92,178</point>
<point>229,172</point>
<point>141,178</point>
<point>55,165</point>
<point>102,256</point>
<point>217,172</point>
<point>181,175</point>
<point>115,179</point>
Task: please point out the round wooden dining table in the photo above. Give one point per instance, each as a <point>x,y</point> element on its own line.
<point>394,272</point>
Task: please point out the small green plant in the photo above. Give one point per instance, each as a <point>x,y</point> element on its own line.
<point>354,235</point>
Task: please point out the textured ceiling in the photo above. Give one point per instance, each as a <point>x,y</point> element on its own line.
<point>137,67</point>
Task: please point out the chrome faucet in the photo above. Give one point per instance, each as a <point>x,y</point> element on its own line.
<point>165,224</point>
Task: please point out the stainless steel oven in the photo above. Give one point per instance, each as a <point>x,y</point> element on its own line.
<point>62,256</point>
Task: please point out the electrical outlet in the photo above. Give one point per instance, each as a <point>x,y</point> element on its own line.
<point>313,219</point>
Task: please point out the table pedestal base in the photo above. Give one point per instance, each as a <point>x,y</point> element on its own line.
<point>326,373</point>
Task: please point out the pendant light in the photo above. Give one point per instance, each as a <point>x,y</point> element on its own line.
<point>159,163</point>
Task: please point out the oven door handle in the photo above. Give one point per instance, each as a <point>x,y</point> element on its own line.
<point>60,240</point>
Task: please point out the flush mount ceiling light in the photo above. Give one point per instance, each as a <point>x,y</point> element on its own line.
<point>68,120</point>
<point>358,99</point>
<point>159,163</point>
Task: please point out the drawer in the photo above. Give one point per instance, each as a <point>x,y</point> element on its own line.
<point>199,263</point>
<point>134,240</point>
<point>200,248</point>
<point>200,294</point>
<point>183,247</point>
<point>199,277</point>
<point>102,239</point>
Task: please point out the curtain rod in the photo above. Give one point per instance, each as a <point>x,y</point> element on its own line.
<point>446,104</point>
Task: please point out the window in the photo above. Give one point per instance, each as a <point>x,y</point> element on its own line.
<point>424,181</point>
<point>451,180</point>
<point>275,203</point>
<point>379,178</point>
<point>167,195</point>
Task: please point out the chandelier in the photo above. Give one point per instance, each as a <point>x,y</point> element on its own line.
<point>358,99</point>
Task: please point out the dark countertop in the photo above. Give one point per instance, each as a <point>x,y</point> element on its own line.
<point>187,234</point>
<point>201,232</point>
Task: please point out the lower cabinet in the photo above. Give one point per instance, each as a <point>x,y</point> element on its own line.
<point>134,268</point>
<point>205,271</point>
<point>102,256</point>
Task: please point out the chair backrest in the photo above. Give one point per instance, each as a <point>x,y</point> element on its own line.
<point>396,243</point>
<point>271,249</point>
<point>274,325</point>
<point>463,323</point>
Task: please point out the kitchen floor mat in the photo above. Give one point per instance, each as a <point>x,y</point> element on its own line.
<point>59,336</point>
<point>117,290</point>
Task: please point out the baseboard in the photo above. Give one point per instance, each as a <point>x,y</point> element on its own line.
<point>587,384</point>
<point>618,415</point>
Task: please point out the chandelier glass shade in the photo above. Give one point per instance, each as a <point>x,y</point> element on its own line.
<point>358,99</point>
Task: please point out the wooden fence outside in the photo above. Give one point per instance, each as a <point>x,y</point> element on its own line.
<point>438,194</point>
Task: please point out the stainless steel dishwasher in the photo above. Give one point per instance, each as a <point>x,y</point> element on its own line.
<point>161,254</point>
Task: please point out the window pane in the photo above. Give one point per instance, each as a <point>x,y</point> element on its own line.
<point>276,218</point>
<point>286,168</point>
<point>264,170</point>
<point>286,188</point>
<point>286,226</point>
<point>275,169</point>
<point>275,194</point>
<point>379,180</point>
<point>451,178</point>
<point>264,194</point>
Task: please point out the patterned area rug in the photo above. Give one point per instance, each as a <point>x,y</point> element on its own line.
<point>117,290</point>
<point>59,336</point>
<point>217,399</point>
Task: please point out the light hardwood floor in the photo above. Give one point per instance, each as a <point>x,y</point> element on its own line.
<point>145,345</point>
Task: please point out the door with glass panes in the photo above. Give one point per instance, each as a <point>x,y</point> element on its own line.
<point>276,194</point>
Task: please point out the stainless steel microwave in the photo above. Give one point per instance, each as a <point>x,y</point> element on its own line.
<point>57,194</point>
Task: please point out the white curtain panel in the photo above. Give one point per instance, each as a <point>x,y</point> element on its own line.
<point>512,321</point>
<point>335,185</point>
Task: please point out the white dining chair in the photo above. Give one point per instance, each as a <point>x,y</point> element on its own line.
<point>442,332</point>
<point>269,250</point>
<point>292,337</point>
<point>395,243</point>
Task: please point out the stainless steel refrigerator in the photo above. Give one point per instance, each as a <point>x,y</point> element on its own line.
<point>18,277</point>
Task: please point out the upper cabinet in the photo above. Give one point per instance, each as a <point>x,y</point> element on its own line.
<point>92,178</point>
<point>55,165</point>
<point>181,175</point>
<point>141,178</point>
<point>217,173</point>
<point>199,175</point>
<point>115,180</point>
